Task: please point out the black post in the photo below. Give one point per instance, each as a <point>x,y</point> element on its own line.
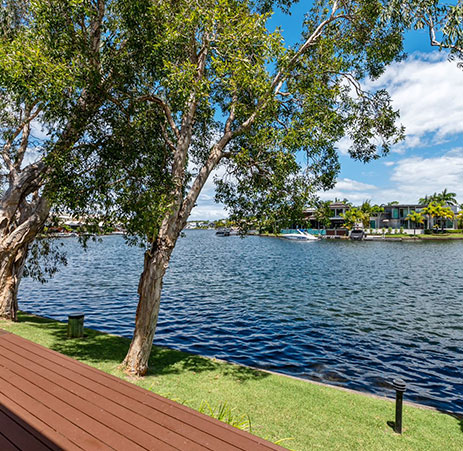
<point>399,386</point>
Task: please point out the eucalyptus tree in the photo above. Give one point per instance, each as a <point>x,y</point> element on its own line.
<point>57,65</point>
<point>228,93</point>
<point>443,21</point>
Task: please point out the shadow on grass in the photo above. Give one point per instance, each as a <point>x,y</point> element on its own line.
<point>98,349</point>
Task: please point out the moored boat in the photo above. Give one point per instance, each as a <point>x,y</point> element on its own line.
<point>300,236</point>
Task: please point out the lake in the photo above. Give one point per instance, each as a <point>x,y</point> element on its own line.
<point>354,314</point>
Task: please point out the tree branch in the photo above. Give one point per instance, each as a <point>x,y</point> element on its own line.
<point>168,113</point>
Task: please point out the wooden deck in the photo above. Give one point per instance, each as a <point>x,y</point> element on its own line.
<point>50,401</point>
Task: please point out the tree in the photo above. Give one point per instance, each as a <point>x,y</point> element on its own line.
<point>354,216</point>
<point>219,89</point>
<point>438,211</point>
<point>445,214</point>
<point>459,218</point>
<point>447,198</point>
<point>56,70</point>
<point>443,22</point>
<point>431,211</point>
<point>444,198</point>
<point>377,211</point>
<point>323,213</point>
<point>416,218</point>
<point>369,211</point>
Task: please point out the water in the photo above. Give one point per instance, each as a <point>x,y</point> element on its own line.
<point>350,314</point>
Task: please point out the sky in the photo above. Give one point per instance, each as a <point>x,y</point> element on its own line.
<point>427,89</point>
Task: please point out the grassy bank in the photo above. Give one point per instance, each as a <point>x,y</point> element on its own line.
<point>313,416</point>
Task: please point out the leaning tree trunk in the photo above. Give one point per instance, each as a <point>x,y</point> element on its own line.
<point>149,291</point>
<point>11,269</point>
<point>17,231</point>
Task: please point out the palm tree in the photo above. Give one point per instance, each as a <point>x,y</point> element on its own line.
<point>445,213</point>
<point>431,211</point>
<point>416,218</point>
<point>426,200</point>
<point>437,210</point>
<point>446,198</point>
<point>354,216</point>
<point>460,220</point>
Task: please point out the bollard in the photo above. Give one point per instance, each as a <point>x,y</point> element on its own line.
<point>76,325</point>
<point>399,386</point>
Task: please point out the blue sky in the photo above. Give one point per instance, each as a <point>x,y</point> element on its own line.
<point>427,89</point>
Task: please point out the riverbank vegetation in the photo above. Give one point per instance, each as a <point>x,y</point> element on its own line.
<point>308,415</point>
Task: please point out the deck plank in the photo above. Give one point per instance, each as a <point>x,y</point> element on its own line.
<point>22,435</point>
<point>59,440</point>
<point>95,410</point>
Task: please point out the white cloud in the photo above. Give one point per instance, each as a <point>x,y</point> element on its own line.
<point>411,179</point>
<point>426,88</point>
<point>353,185</point>
<point>209,212</point>
<point>389,163</point>
<point>207,208</point>
<point>355,191</point>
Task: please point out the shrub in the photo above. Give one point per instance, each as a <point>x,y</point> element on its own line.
<point>389,230</point>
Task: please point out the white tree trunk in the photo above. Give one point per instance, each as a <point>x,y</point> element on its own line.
<point>19,225</point>
<point>11,269</point>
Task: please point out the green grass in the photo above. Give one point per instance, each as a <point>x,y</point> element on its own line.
<point>279,407</point>
<point>442,236</point>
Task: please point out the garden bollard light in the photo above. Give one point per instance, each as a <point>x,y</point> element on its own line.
<point>399,386</point>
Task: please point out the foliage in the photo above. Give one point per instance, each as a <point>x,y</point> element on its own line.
<point>294,102</point>
<point>459,217</point>
<point>322,213</point>
<point>444,198</point>
<point>223,412</point>
<point>415,217</point>
<point>442,21</point>
<point>354,216</point>
<point>44,260</point>
<point>439,212</point>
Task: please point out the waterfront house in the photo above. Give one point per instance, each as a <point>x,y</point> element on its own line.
<point>336,227</point>
<point>394,216</point>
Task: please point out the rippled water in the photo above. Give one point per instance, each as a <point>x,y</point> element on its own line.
<point>354,314</point>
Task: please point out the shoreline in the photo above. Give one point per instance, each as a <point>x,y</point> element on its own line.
<point>263,370</point>
<point>301,414</point>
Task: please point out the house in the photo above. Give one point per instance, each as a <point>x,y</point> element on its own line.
<point>336,227</point>
<point>394,216</point>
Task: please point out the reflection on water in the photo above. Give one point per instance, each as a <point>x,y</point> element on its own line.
<point>350,314</point>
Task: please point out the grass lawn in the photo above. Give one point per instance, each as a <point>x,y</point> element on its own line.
<point>311,416</point>
<point>442,236</point>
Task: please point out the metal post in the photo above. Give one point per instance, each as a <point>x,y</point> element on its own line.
<point>399,386</point>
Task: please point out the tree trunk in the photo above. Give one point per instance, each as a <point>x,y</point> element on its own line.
<point>149,291</point>
<point>17,232</point>
<point>11,269</point>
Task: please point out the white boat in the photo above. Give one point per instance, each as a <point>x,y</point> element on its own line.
<point>300,236</point>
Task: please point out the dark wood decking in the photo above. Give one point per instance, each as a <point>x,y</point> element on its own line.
<point>50,401</point>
